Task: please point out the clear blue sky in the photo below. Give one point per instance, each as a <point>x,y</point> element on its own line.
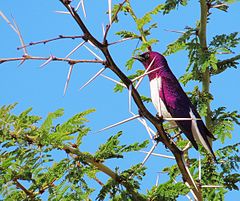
<point>42,88</point>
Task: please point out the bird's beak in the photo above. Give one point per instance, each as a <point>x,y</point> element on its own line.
<point>138,57</point>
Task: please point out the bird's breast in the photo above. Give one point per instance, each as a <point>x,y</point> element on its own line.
<point>156,87</point>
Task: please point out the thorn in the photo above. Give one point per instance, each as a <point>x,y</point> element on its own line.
<point>182,119</point>
<point>93,52</point>
<point>68,79</point>
<point>144,74</point>
<point>212,186</point>
<point>160,155</point>
<point>93,78</point>
<point>9,23</point>
<point>103,30</point>
<point>62,12</point>
<point>149,153</point>
<point>195,197</point>
<point>187,147</point>
<point>119,123</point>
<point>199,168</point>
<point>157,180</point>
<point>46,62</point>
<point>83,8</point>
<point>78,46</point>
<point>110,11</point>
<point>130,98</point>
<point>78,5</point>
<point>115,81</point>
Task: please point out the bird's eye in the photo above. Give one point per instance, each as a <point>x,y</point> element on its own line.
<point>146,56</point>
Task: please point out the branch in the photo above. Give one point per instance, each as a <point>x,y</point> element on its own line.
<point>48,40</point>
<point>113,19</point>
<point>70,61</point>
<point>19,185</point>
<point>178,154</point>
<point>223,65</point>
<point>203,43</point>
<point>104,169</point>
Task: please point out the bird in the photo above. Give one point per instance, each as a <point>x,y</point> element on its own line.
<point>170,100</point>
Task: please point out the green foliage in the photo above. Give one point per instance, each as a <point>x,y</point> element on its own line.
<point>180,43</point>
<point>224,42</point>
<point>28,167</point>
<point>223,123</point>
<point>115,191</point>
<point>168,191</point>
<point>112,149</point>
<point>199,100</point>
<point>170,5</point>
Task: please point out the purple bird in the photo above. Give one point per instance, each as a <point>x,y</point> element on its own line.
<point>171,101</point>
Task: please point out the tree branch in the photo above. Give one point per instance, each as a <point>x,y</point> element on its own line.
<point>203,43</point>
<point>48,40</point>
<point>28,57</point>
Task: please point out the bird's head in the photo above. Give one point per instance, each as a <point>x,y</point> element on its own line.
<point>151,60</point>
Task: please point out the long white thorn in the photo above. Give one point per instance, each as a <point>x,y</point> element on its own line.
<point>195,197</point>
<point>140,80</point>
<point>181,119</point>
<point>149,153</point>
<point>92,78</point>
<point>150,132</point>
<point>144,74</point>
<point>199,168</point>
<point>159,155</point>
<point>83,8</point>
<point>212,186</point>
<point>93,52</point>
<point>115,81</point>
<point>189,173</point>
<point>103,30</point>
<point>62,12</point>
<point>68,79</point>
<point>78,46</point>
<point>148,129</point>
<point>187,196</point>
<point>110,11</point>
<point>47,62</point>
<point>9,23</point>
<point>157,180</point>
<point>130,98</point>
<point>119,123</point>
<point>78,5</point>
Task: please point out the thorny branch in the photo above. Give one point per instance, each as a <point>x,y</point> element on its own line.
<point>53,58</point>
<point>178,154</point>
<point>48,40</point>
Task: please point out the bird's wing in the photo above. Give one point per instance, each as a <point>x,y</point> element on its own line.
<point>180,106</point>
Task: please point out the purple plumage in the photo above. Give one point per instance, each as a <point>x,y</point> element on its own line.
<point>171,101</point>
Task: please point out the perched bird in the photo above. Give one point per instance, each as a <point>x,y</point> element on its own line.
<point>171,101</point>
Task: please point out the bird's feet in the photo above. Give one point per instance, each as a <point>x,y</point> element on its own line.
<point>160,117</point>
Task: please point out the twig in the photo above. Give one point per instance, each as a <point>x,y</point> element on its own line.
<point>112,20</point>
<point>70,61</point>
<point>49,40</point>
<point>175,31</point>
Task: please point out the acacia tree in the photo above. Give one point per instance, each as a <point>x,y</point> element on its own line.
<point>28,169</point>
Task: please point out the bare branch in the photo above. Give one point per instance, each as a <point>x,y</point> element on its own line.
<point>49,40</point>
<point>28,57</point>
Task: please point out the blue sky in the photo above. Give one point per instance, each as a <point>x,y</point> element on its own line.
<point>42,88</point>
